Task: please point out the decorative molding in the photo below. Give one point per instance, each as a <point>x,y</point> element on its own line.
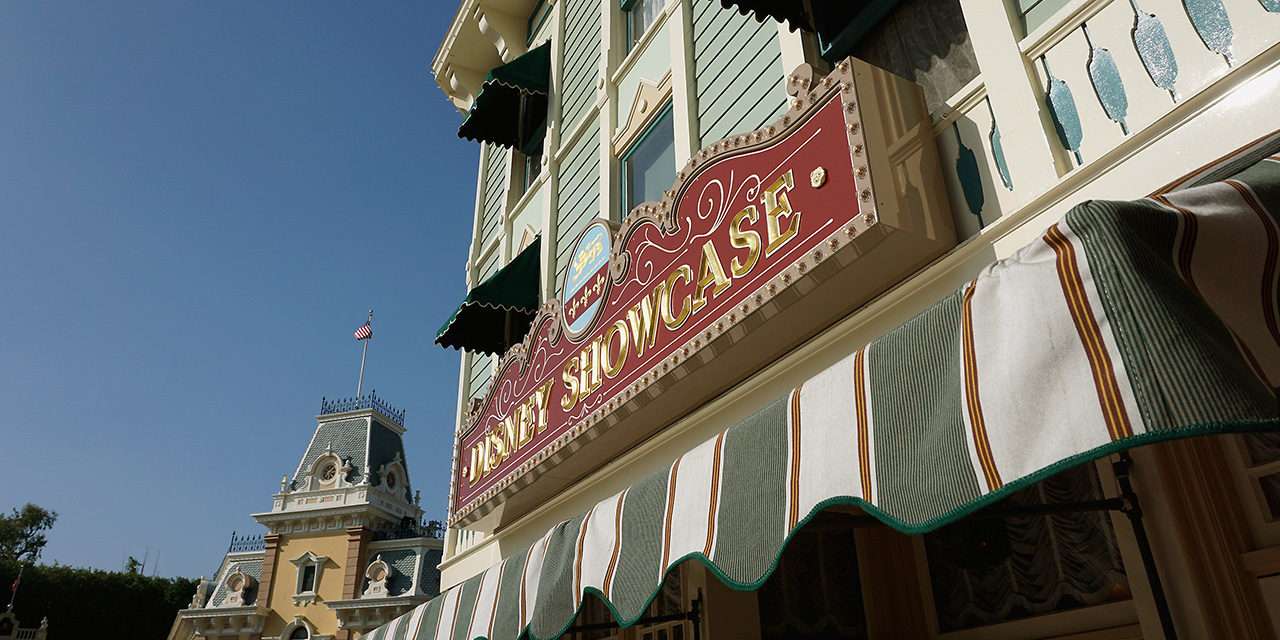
<point>810,93</point>
<point>645,107</point>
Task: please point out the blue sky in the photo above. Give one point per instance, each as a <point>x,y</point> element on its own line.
<point>199,201</point>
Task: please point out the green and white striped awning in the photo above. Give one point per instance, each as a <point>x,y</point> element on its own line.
<point>1125,323</point>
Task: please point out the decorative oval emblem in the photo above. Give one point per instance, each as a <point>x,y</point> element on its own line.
<point>587,280</point>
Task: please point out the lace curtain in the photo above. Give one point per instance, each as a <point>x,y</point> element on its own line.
<point>986,571</point>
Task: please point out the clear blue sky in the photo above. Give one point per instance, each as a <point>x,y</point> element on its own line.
<point>198,203</point>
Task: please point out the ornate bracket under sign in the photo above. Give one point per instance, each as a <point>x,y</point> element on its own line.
<point>765,239</point>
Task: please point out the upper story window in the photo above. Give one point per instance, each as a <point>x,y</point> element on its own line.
<point>640,16</point>
<point>307,582</point>
<point>649,167</point>
<point>309,567</point>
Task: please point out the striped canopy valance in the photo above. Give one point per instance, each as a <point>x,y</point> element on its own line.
<point>1124,323</point>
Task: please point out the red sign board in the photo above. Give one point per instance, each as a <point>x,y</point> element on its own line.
<point>742,221</point>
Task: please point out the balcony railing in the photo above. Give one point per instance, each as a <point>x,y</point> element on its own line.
<point>1109,77</point>
<point>367,401</point>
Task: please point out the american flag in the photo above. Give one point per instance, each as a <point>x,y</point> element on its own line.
<point>364,332</point>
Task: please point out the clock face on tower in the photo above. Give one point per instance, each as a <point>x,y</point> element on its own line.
<point>391,480</point>
<point>328,472</point>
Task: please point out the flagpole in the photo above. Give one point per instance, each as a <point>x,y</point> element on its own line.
<point>14,589</point>
<point>363,352</point>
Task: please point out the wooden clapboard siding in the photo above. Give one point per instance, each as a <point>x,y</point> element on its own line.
<point>581,66</point>
<point>579,193</point>
<point>482,365</point>
<point>737,71</point>
<point>481,372</point>
<point>495,196</point>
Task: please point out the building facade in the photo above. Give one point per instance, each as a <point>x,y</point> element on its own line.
<point>345,548</point>
<point>972,129</point>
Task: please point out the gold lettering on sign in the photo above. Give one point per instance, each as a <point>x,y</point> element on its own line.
<point>669,305</point>
<point>748,239</point>
<point>778,206</point>
<point>673,322</point>
<point>509,435</point>
<point>710,272</point>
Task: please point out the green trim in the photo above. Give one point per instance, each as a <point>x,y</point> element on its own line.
<point>925,527</point>
<point>511,108</point>
<point>649,128</point>
<point>510,296</point>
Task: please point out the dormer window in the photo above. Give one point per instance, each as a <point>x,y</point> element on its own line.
<point>391,480</point>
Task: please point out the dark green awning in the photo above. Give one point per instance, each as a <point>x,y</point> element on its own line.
<point>511,108</point>
<point>497,312</point>
<point>838,23</point>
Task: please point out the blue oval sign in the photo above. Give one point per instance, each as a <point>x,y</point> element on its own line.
<point>587,279</point>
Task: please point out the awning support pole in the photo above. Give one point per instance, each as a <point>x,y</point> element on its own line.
<point>1133,509</point>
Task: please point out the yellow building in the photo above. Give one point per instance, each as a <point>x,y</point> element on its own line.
<point>345,548</point>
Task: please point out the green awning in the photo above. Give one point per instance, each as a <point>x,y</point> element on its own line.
<point>1101,335</point>
<point>838,23</point>
<point>497,312</point>
<point>511,108</point>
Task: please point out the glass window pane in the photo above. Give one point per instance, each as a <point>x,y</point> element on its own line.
<point>308,578</point>
<point>992,570</point>
<point>639,18</point>
<point>650,168</point>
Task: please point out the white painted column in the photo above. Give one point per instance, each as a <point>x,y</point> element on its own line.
<point>607,99</point>
<point>549,152</point>
<point>684,91</point>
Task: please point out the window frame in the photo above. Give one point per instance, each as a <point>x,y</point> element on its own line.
<point>630,38</point>
<point>624,174</point>
<point>302,563</point>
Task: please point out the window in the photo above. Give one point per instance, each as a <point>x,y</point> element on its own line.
<point>1256,463</point>
<point>300,633</point>
<point>649,168</point>
<point>308,581</point>
<point>640,16</point>
<point>986,571</point>
<point>528,168</point>
<point>816,592</point>
<point>310,567</point>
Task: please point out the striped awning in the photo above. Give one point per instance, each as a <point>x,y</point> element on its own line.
<point>1125,323</point>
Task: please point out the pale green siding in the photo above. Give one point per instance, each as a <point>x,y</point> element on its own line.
<point>579,194</point>
<point>738,71</point>
<point>481,371</point>
<point>581,60</point>
<point>495,194</point>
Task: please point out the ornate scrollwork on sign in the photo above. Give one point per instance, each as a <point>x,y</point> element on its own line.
<point>743,223</point>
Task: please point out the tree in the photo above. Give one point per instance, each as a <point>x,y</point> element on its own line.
<point>22,533</point>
